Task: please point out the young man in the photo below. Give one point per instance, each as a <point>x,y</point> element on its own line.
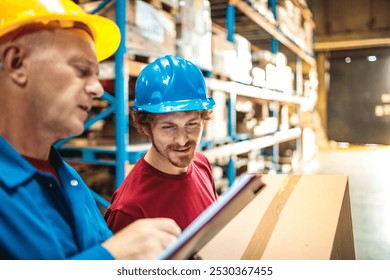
<point>172,179</point>
<point>49,53</point>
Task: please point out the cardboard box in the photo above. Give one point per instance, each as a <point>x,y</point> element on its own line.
<point>295,217</point>
<point>150,31</point>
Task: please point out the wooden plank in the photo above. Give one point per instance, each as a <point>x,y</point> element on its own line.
<point>351,44</point>
<point>272,29</point>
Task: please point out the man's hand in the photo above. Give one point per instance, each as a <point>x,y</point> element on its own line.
<point>143,239</point>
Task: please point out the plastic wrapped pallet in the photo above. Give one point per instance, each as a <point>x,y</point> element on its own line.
<point>217,128</point>
<point>232,60</point>
<point>194,32</point>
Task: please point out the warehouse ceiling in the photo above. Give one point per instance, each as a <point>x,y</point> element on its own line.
<point>351,24</point>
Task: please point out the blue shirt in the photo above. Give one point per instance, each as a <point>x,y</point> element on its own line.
<point>41,219</point>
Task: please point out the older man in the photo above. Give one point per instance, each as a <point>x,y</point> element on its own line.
<point>49,53</point>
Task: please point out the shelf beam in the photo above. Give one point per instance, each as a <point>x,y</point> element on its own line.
<point>121,96</point>
<point>226,150</point>
<point>272,30</point>
<point>351,44</point>
<point>254,91</point>
<point>242,147</point>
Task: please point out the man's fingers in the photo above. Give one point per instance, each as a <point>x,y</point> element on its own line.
<point>167,225</point>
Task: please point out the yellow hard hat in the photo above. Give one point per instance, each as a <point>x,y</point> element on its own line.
<point>15,14</point>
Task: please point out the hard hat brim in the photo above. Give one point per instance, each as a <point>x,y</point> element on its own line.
<point>176,106</point>
<point>106,33</point>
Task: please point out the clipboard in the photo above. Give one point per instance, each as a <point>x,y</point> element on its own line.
<point>214,218</point>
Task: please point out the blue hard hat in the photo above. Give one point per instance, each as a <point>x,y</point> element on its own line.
<point>171,84</point>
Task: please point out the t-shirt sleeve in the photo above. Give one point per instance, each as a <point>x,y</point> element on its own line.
<point>117,220</point>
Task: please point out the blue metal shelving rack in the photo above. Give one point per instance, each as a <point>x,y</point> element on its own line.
<point>121,96</point>
<point>118,105</point>
<point>230,26</point>
<point>230,19</point>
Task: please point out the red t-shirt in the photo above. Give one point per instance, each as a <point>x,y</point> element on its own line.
<point>43,165</point>
<point>149,193</point>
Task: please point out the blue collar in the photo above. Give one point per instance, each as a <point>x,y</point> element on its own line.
<point>15,169</point>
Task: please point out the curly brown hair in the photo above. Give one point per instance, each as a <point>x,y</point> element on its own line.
<point>142,120</point>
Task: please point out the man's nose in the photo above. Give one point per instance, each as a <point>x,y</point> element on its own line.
<point>94,88</point>
<point>181,137</point>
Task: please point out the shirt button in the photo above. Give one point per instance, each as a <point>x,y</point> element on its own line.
<point>74,183</point>
<point>50,185</point>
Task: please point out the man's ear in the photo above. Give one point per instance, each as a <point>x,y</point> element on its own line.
<point>14,63</point>
<point>146,129</point>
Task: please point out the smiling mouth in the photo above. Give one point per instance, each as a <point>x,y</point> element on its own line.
<point>85,108</point>
<point>182,150</point>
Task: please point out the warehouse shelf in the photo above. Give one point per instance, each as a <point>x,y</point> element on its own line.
<point>232,149</point>
<point>261,32</point>
<point>118,104</point>
<point>107,72</point>
<point>107,69</point>
<point>254,92</point>
<point>256,27</point>
<point>81,150</point>
<point>305,11</point>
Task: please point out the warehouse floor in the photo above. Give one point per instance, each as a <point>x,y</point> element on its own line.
<point>368,171</point>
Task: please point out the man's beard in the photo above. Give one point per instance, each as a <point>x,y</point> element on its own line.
<point>178,161</point>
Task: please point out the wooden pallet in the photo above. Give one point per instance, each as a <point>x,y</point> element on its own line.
<point>170,7</point>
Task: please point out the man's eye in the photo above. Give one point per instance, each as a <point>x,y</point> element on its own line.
<point>193,123</point>
<point>82,71</point>
<point>167,126</point>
